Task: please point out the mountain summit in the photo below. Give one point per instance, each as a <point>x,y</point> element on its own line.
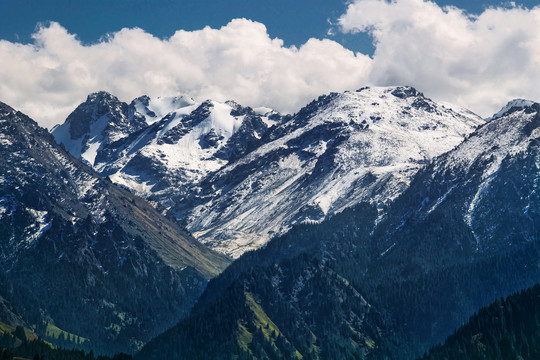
<point>339,150</point>
<point>240,175</point>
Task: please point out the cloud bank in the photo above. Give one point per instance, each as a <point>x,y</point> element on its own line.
<point>240,61</point>
<point>479,62</point>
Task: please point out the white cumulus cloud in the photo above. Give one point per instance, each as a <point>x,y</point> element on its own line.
<point>479,61</point>
<point>50,77</point>
<point>476,61</point>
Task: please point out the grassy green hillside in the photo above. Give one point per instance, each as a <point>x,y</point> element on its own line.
<point>17,343</point>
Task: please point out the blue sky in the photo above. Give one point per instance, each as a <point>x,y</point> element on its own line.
<point>293,21</point>
<point>274,53</point>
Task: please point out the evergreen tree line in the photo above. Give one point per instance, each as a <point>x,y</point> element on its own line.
<point>507,329</point>
<point>415,300</point>
<point>315,314</point>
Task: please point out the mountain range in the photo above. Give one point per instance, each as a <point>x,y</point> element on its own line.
<point>239,176</point>
<point>464,232</point>
<point>369,224</point>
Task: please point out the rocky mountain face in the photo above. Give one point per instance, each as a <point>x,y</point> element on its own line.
<point>338,151</point>
<point>79,253</point>
<point>241,176</point>
<point>102,119</point>
<point>171,144</point>
<point>465,232</point>
<point>489,183</point>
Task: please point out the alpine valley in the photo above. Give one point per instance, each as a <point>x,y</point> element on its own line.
<point>371,224</point>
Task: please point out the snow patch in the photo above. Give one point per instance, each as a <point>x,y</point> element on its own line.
<point>91,153</point>
<point>94,139</point>
<point>41,226</point>
<point>441,199</point>
<point>177,117</point>
<point>137,184</point>
<point>188,153</point>
<point>4,141</point>
<point>4,206</point>
<point>387,250</point>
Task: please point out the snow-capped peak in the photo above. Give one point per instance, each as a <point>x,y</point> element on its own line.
<point>243,175</point>
<point>101,96</point>
<point>339,150</point>
<point>182,147</point>
<point>512,105</point>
